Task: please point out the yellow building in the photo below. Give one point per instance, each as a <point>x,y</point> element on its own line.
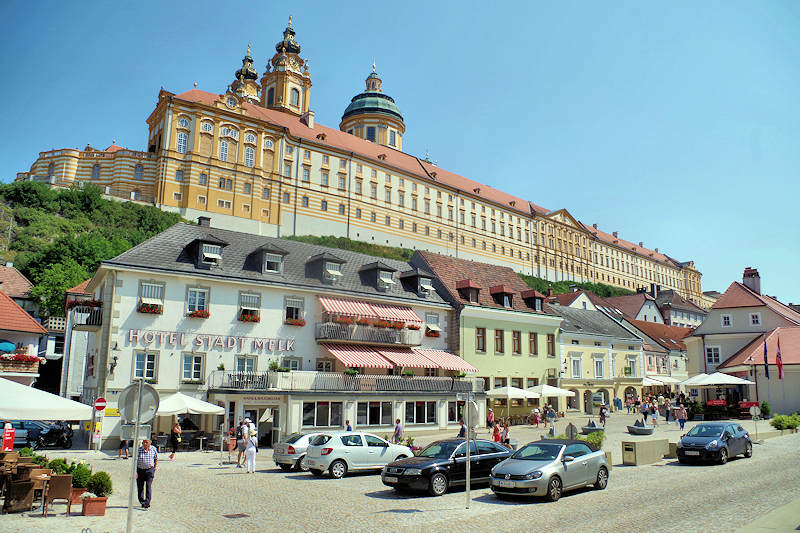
<point>254,159</point>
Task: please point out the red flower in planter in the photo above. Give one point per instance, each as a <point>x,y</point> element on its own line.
<point>84,303</point>
<point>413,327</point>
<point>346,320</point>
<point>397,325</point>
<point>381,324</point>
<point>295,322</point>
<point>431,333</point>
<point>249,318</point>
<point>198,313</point>
<point>150,309</point>
<point>362,322</point>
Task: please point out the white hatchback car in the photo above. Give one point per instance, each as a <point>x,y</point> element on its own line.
<point>341,451</point>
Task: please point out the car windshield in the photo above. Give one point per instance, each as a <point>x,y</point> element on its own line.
<point>294,437</point>
<point>439,450</point>
<point>705,431</point>
<point>537,452</point>
<point>319,440</point>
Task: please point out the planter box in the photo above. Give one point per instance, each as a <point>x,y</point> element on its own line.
<point>94,506</point>
<point>75,499</point>
<point>19,366</point>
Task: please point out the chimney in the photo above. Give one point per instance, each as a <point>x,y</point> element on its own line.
<point>308,118</point>
<point>641,244</point>
<point>204,221</point>
<point>656,250</point>
<point>549,292</point>
<point>654,290</point>
<point>615,234</point>
<point>752,280</point>
<point>594,226</point>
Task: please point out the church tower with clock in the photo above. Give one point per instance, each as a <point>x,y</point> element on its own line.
<point>286,83</point>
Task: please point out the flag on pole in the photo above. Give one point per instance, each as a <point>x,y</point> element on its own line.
<point>766,362</point>
<point>778,359</point>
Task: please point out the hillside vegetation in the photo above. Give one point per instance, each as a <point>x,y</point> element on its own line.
<point>59,237</point>
<point>404,254</point>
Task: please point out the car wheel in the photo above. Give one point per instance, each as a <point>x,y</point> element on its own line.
<point>400,457</point>
<point>284,467</point>
<point>301,464</point>
<point>723,456</point>
<point>748,451</point>
<point>554,489</point>
<point>602,478</point>
<point>315,472</point>
<point>338,469</point>
<point>438,484</point>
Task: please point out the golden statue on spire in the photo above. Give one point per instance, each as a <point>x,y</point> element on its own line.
<point>290,21</point>
<point>248,48</point>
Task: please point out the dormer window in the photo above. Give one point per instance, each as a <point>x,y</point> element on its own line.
<point>385,280</point>
<point>425,286</point>
<point>502,295</point>
<point>211,254</point>
<point>468,290</point>
<point>332,271</point>
<point>533,299</point>
<point>273,263</point>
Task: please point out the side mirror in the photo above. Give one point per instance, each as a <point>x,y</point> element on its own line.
<point>568,459</point>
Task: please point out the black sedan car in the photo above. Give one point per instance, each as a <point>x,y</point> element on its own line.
<point>714,441</point>
<point>443,464</point>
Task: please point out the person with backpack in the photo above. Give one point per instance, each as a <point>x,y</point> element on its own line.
<point>241,445</point>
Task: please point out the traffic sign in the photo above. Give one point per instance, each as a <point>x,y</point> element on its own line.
<point>100,403</point>
<point>755,410</point>
<point>127,402</point>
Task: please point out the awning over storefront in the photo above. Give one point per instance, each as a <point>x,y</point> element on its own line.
<point>396,312</point>
<point>407,358</point>
<point>339,306</point>
<point>358,356</point>
<point>446,360</point>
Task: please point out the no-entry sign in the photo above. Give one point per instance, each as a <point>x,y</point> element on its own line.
<point>100,404</point>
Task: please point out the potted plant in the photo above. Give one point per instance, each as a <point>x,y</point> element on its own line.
<point>94,503</point>
<point>458,375</point>
<point>26,452</point>
<point>275,367</point>
<point>397,325</point>
<point>221,366</point>
<point>249,318</point>
<point>362,322</point>
<point>58,466</point>
<point>300,322</point>
<point>80,479</point>
<point>40,460</point>
<point>351,372</point>
<point>150,309</point>
<point>407,373</point>
<point>198,313</point>
<point>413,327</point>
<point>431,333</point>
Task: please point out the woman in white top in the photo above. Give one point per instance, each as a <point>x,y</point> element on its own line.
<point>250,451</point>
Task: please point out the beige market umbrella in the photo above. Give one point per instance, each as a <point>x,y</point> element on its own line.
<point>511,393</point>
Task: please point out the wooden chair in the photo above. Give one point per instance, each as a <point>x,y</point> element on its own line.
<point>59,488</point>
<point>38,484</point>
<point>19,497</point>
<point>24,471</point>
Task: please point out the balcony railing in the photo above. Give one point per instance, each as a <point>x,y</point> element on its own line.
<point>331,331</point>
<point>338,382</point>
<point>85,317</point>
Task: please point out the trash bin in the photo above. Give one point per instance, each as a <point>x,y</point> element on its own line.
<point>644,452</point>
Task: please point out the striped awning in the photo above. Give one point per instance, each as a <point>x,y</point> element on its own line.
<point>396,312</point>
<point>339,306</point>
<point>446,360</point>
<point>407,358</point>
<point>357,356</point>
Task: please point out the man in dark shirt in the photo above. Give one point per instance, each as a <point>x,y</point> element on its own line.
<point>146,463</point>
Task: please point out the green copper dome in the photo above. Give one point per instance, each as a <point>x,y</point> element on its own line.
<point>372,102</point>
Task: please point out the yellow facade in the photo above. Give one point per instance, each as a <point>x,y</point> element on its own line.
<point>207,154</point>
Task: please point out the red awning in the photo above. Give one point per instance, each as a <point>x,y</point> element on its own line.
<point>338,306</point>
<point>396,312</point>
<point>407,358</point>
<point>357,356</point>
<point>446,360</point>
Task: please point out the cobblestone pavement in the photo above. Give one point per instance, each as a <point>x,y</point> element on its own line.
<point>195,492</point>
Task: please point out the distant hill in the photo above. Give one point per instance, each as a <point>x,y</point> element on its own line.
<point>404,254</point>
<point>59,237</point>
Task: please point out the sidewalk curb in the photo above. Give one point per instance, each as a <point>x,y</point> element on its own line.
<point>784,518</point>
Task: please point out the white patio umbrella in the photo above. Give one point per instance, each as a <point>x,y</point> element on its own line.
<point>179,404</point>
<point>718,379</point>
<point>651,382</point>
<point>694,380</point>
<point>510,393</point>
<point>548,391</point>
<point>20,402</point>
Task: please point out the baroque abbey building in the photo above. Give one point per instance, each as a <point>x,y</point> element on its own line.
<point>254,159</point>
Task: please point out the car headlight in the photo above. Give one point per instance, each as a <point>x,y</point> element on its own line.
<point>713,444</point>
<point>412,471</point>
<point>534,475</point>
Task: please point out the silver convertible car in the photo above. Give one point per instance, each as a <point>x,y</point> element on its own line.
<point>549,467</point>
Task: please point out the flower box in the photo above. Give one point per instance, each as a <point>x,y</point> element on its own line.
<point>84,303</point>
<point>198,313</point>
<point>16,363</point>
<point>397,325</point>
<point>300,322</point>
<point>432,333</point>
<point>150,309</point>
<point>382,324</point>
<point>362,322</point>
<point>249,318</point>
<point>346,320</point>
<point>412,327</point>
<point>94,506</point>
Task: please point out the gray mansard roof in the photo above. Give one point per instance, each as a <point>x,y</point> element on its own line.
<point>173,252</point>
<point>590,322</point>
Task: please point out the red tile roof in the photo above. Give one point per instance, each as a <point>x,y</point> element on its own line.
<point>627,245</point>
<point>739,295</point>
<point>14,318</point>
<point>80,288</point>
<point>790,349</point>
<point>566,298</point>
<point>114,148</point>
<point>630,304</point>
<point>13,283</point>
<point>451,270</point>
<point>663,334</point>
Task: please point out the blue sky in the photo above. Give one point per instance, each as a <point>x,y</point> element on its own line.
<point>676,124</point>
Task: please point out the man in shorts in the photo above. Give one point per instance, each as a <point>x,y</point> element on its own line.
<point>124,445</point>
<point>241,444</point>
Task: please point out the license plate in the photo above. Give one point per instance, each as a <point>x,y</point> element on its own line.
<point>390,479</point>
<point>504,483</point>
<point>279,450</point>
<point>690,452</point>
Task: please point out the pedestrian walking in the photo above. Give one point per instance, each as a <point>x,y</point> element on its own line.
<point>175,439</point>
<point>347,426</point>
<point>682,416</point>
<point>241,431</point>
<point>398,432</point>
<point>496,432</point>
<point>667,407</point>
<point>536,416</point>
<point>603,414</point>
<point>490,419</point>
<point>505,435</point>
<point>146,464</point>
<point>654,413</point>
<point>462,431</point>
<point>124,446</point>
<point>250,451</point>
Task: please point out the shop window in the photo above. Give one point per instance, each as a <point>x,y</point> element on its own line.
<point>420,412</point>
<point>455,411</point>
<point>374,414</point>
<point>322,414</point>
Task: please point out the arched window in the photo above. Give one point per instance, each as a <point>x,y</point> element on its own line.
<point>223,150</point>
<point>182,139</point>
<point>96,172</point>
<point>294,97</point>
<point>51,169</point>
<point>271,96</point>
<point>249,156</point>
<point>137,172</point>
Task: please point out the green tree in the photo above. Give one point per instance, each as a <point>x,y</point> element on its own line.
<point>50,285</point>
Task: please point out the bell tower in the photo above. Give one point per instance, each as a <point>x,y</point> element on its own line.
<point>245,85</point>
<point>286,83</point>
